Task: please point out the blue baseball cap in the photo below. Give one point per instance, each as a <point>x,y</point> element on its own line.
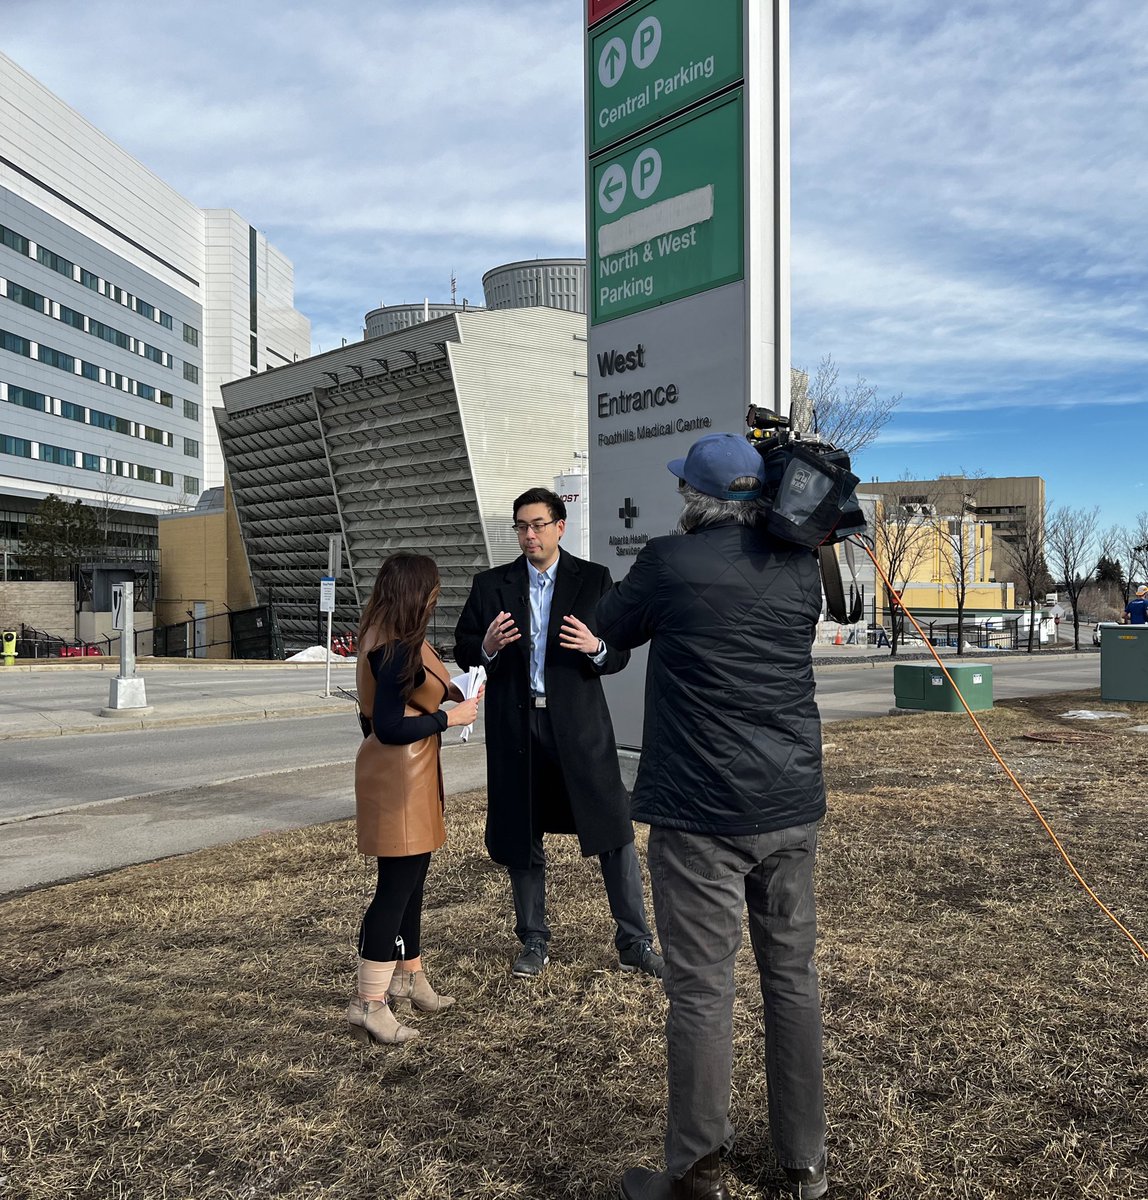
<point>715,461</point>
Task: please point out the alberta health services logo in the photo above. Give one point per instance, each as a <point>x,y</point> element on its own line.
<point>626,545</point>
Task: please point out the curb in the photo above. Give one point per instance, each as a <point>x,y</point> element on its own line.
<point>133,725</point>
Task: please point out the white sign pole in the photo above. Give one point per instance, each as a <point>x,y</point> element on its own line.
<point>327,605</point>
<point>327,688</point>
<point>128,636</point>
<point>126,695</point>
<point>334,562</point>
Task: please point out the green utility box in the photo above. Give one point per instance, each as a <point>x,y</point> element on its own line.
<point>1124,663</point>
<point>923,685</point>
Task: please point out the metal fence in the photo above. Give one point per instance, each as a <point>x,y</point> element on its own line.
<point>35,643</point>
<point>980,637</point>
<point>246,632</point>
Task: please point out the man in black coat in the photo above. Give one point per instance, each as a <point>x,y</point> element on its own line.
<point>731,784</point>
<point>551,761</point>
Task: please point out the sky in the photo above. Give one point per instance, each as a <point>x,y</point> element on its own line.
<point>969,190</point>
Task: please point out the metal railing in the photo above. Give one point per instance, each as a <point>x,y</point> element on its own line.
<point>35,643</point>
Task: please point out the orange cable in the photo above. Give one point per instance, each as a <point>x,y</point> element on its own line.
<point>988,742</point>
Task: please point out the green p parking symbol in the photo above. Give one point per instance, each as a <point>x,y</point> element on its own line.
<point>646,43</point>
<point>646,173</point>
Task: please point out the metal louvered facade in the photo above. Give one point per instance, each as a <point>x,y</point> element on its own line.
<point>418,440</point>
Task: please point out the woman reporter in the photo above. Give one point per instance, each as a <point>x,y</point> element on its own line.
<point>399,800</point>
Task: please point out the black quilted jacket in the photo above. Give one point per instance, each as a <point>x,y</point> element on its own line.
<point>732,737</point>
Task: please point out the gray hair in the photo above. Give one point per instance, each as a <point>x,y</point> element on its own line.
<point>700,510</point>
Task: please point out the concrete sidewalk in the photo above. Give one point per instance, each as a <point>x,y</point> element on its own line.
<point>57,722</point>
<point>54,699</point>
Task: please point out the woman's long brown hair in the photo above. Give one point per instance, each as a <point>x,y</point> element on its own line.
<point>399,611</point>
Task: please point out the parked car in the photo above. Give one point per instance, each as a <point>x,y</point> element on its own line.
<point>1103,625</point>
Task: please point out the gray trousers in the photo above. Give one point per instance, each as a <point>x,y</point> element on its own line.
<point>621,871</point>
<point>701,884</point>
<point>622,876</point>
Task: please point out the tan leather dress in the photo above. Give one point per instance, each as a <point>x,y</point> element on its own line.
<point>399,797</point>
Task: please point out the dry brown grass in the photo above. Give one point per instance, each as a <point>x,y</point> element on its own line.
<point>175,1030</point>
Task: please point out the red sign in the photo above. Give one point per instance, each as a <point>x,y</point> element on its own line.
<point>603,8</point>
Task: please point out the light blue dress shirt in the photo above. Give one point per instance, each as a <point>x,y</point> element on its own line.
<point>541,596</point>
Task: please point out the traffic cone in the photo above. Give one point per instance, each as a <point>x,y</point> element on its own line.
<point>839,640</point>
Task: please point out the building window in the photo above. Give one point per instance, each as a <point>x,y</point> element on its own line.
<point>90,371</point>
<point>190,335</point>
<point>13,240</point>
<point>103,420</point>
<point>166,399</point>
<point>154,353</point>
<point>144,309</point>
<point>191,372</point>
<point>92,462</point>
<point>153,435</point>
<point>56,358</point>
<point>21,447</point>
<point>145,390</point>
<point>57,455</point>
<point>89,280</point>
<point>27,398</point>
<point>191,410</point>
<point>70,317</point>
<point>100,330</point>
<point>49,258</point>
<point>25,296</point>
<point>147,474</point>
<point>15,344</point>
<point>166,478</point>
<point>191,447</point>
<point>165,320</point>
<point>191,485</point>
<point>73,412</point>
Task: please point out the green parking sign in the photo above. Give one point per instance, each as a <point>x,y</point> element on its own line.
<point>668,212</point>
<point>658,58</point>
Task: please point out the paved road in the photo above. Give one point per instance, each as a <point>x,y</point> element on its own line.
<point>43,774</point>
<point>214,785</point>
<point>847,692</point>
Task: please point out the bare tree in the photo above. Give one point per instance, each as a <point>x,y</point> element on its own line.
<point>959,541</point>
<point>111,489</point>
<point>1072,553</point>
<point>903,538</point>
<point>848,415</point>
<point>1130,545</point>
<point>1025,555</point>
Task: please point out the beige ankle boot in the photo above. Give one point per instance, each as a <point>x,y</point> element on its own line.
<point>413,987</point>
<point>373,1021</point>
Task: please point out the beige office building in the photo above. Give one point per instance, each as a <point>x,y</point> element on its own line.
<point>1003,503</point>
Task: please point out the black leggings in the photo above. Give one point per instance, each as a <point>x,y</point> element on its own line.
<point>396,912</point>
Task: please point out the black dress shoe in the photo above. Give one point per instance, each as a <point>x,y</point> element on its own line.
<point>642,957</point>
<point>532,959</point>
<point>701,1182</point>
<point>806,1183</point>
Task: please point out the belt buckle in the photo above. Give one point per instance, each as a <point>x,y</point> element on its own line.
<point>538,701</point>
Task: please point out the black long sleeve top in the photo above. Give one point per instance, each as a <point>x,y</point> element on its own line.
<point>388,721</point>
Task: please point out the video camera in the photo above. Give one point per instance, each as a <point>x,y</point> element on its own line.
<point>809,487</point>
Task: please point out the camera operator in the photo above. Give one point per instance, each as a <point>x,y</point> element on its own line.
<point>730,782</point>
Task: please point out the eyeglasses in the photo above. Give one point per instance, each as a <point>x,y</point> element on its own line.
<point>520,527</point>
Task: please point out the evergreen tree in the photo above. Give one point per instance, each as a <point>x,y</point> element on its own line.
<point>57,536</point>
<point>1110,570</point>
